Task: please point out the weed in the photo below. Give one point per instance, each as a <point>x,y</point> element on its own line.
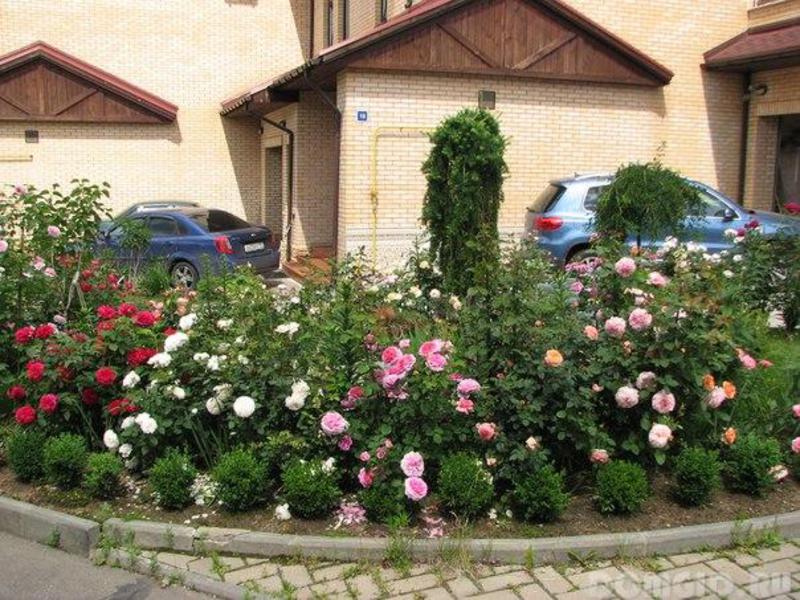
<point>54,539</point>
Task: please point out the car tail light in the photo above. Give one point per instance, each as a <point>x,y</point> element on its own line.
<point>223,244</point>
<point>548,223</point>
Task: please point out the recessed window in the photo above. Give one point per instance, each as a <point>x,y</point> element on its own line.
<point>344,9</point>
<point>329,22</point>
<point>383,10</point>
<point>31,136</point>
<point>486,99</point>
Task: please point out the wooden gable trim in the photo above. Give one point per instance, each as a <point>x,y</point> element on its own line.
<point>41,83</point>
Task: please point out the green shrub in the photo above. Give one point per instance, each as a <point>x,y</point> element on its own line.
<point>383,501</point>
<point>465,487</point>
<point>465,171</point>
<point>102,478</point>
<point>25,454</point>
<point>539,497</point>
<point>748,463</point>
<point>277,447</point>
<point>64,460</point>
<point>171,478</point>
<point>309,491</point>
<point>621,487</point>
<point>696,476</point>
<point>241,480</point>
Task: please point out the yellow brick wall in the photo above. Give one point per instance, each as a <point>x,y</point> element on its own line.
<point>781,10</point>
<point>194,53</point>
<point>555,128</point>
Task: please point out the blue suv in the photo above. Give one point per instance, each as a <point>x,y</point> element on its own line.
<point>560,219</point>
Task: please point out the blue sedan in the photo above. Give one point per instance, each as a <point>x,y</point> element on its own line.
<point>560,219</point>
<point>190,240</point>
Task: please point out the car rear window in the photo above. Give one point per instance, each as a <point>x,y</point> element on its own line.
<point>547,198</point>
<point>219,220</point>
<point>592,196</point>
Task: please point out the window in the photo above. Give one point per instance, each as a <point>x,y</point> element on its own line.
<point>592,196</point>
<point>547,198</point>
<point>711,206</point>
<point>218,220</point>
<point>162,226</point>
<point>329,22</point>
<point>344,8</point>
<point>383,10</point>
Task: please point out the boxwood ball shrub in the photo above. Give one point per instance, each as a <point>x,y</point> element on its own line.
<point>65,460</point>
<point>748,462</point>
<point>102,478</point>
<point>383,501</point>
<point>171,478</point>
<point>241,480</point>
<point>621,487</point>
<point>696,474</point>
<point>465,487</point>
<point>309,490</point>
<point>25,454</point>
<point>539,496</point>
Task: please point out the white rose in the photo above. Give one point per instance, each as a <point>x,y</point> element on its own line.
<point>187,321</point>
<point>223,391</point>
<point>424,265</point>
<point>435,294</point>
<point>295,299</point>
<point>727,273</point>
<point>394,297</point>
<point>214,406</point>
<point>224,323</point>
<point>125,450</point>
<point>282,512</point>
<point>329,465</point>
<point>111,440</point>
<point>243,360</point>
<point>455,302</point>
<point>201,356</point>
<point>532,444</point>
<point>131,380</point>
<point>175,341</point>
<point>300,388</point>
<point>295,403</point>
<point>288,328</point>
<point>213,363</point>
<point>148,426</point>
<point>127,422</point>
<point>244,406</point>
<point>415,291</point>
<point>738,258</point>
<point>179,392</point>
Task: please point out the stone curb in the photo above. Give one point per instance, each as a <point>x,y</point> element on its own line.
<point>149,536</point>
<point>188,579</point>
<point>72,534</point>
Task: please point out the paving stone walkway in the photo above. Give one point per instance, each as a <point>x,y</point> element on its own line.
<point>756,573</point>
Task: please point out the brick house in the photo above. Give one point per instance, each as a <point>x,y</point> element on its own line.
<point>162,100</point>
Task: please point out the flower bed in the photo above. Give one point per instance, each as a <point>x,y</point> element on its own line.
<point>381,398</point>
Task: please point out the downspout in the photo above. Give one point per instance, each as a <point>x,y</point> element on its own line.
<point>748,82</point>
<point>290,168</point>
<point>313,7</point>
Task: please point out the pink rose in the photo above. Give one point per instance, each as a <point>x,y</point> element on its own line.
<point>748,362</point>
<point>465,406</point>
<point>615,327</point>
<point>364,456</point>
<point>663,402</point>
<point>640,319</point>
<point>796,411</point>
<point>431,347</point>
<point>656,279</point>
<point>408,361</point>
<point>627,397</point>
<point>416,489</point>
<point>391,354</point>
<point>412,464</point>
<point>715,397</point>
<point>779,473</point>
<point>659,436</point>
<point>486,431</point>
<point>404,343</point>
<point>796,445</point>
<point>576,287</point>
<point>468,386</point>
<point>345,443</point>
<point>53,231</point>
<point>645,380</point>
<point>365,477</point>
<point>625,266</point>
<point>765,363</point>
<point>332,423</point>
<point>599,456</point>
<point>381,453</point>
<point>436,362</point>
<point>590,331</point>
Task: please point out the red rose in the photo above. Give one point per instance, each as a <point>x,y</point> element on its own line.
<point>86,287</point>
<point>120,406</point>
<point>127,309</point>
<point>65,373</point>
<point>87,273</point>
<point>35,369</point>
<point>169,331</point>
<point>24,335</point>
<point>48,403</point>
<point>43,332</point>
<point>106,312</point>
<point>105,376</point>
<point>144,318</point>
<point>105,326</point>
<point>25,415</point>
<point>139,356</point>
<point>89,396</point>
<point>79,337</point>
<point>16,393</point>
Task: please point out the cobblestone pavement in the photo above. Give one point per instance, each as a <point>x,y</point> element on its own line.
<point>757,573</point>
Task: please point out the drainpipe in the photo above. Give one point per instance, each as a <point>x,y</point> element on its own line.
<point>748,82</point>
<point>290,168</point>
<point>313,6</point>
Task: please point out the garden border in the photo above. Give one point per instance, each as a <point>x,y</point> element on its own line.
<point>80,536</point>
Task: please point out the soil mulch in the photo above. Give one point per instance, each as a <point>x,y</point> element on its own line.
<point>580,518</point>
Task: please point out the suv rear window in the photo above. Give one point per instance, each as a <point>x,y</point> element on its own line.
<point>219,220</point>
<point>547,198</point>
<point>592,196</point>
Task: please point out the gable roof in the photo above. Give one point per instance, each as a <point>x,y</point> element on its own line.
<point>758,48</point>
<point>88,93</point>
<point>389,36</point>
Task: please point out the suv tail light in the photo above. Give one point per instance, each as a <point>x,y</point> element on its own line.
<point>548,223</point>
<point>223,244</point>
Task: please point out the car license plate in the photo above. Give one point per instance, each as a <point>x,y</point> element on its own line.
<point>254,247</point>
